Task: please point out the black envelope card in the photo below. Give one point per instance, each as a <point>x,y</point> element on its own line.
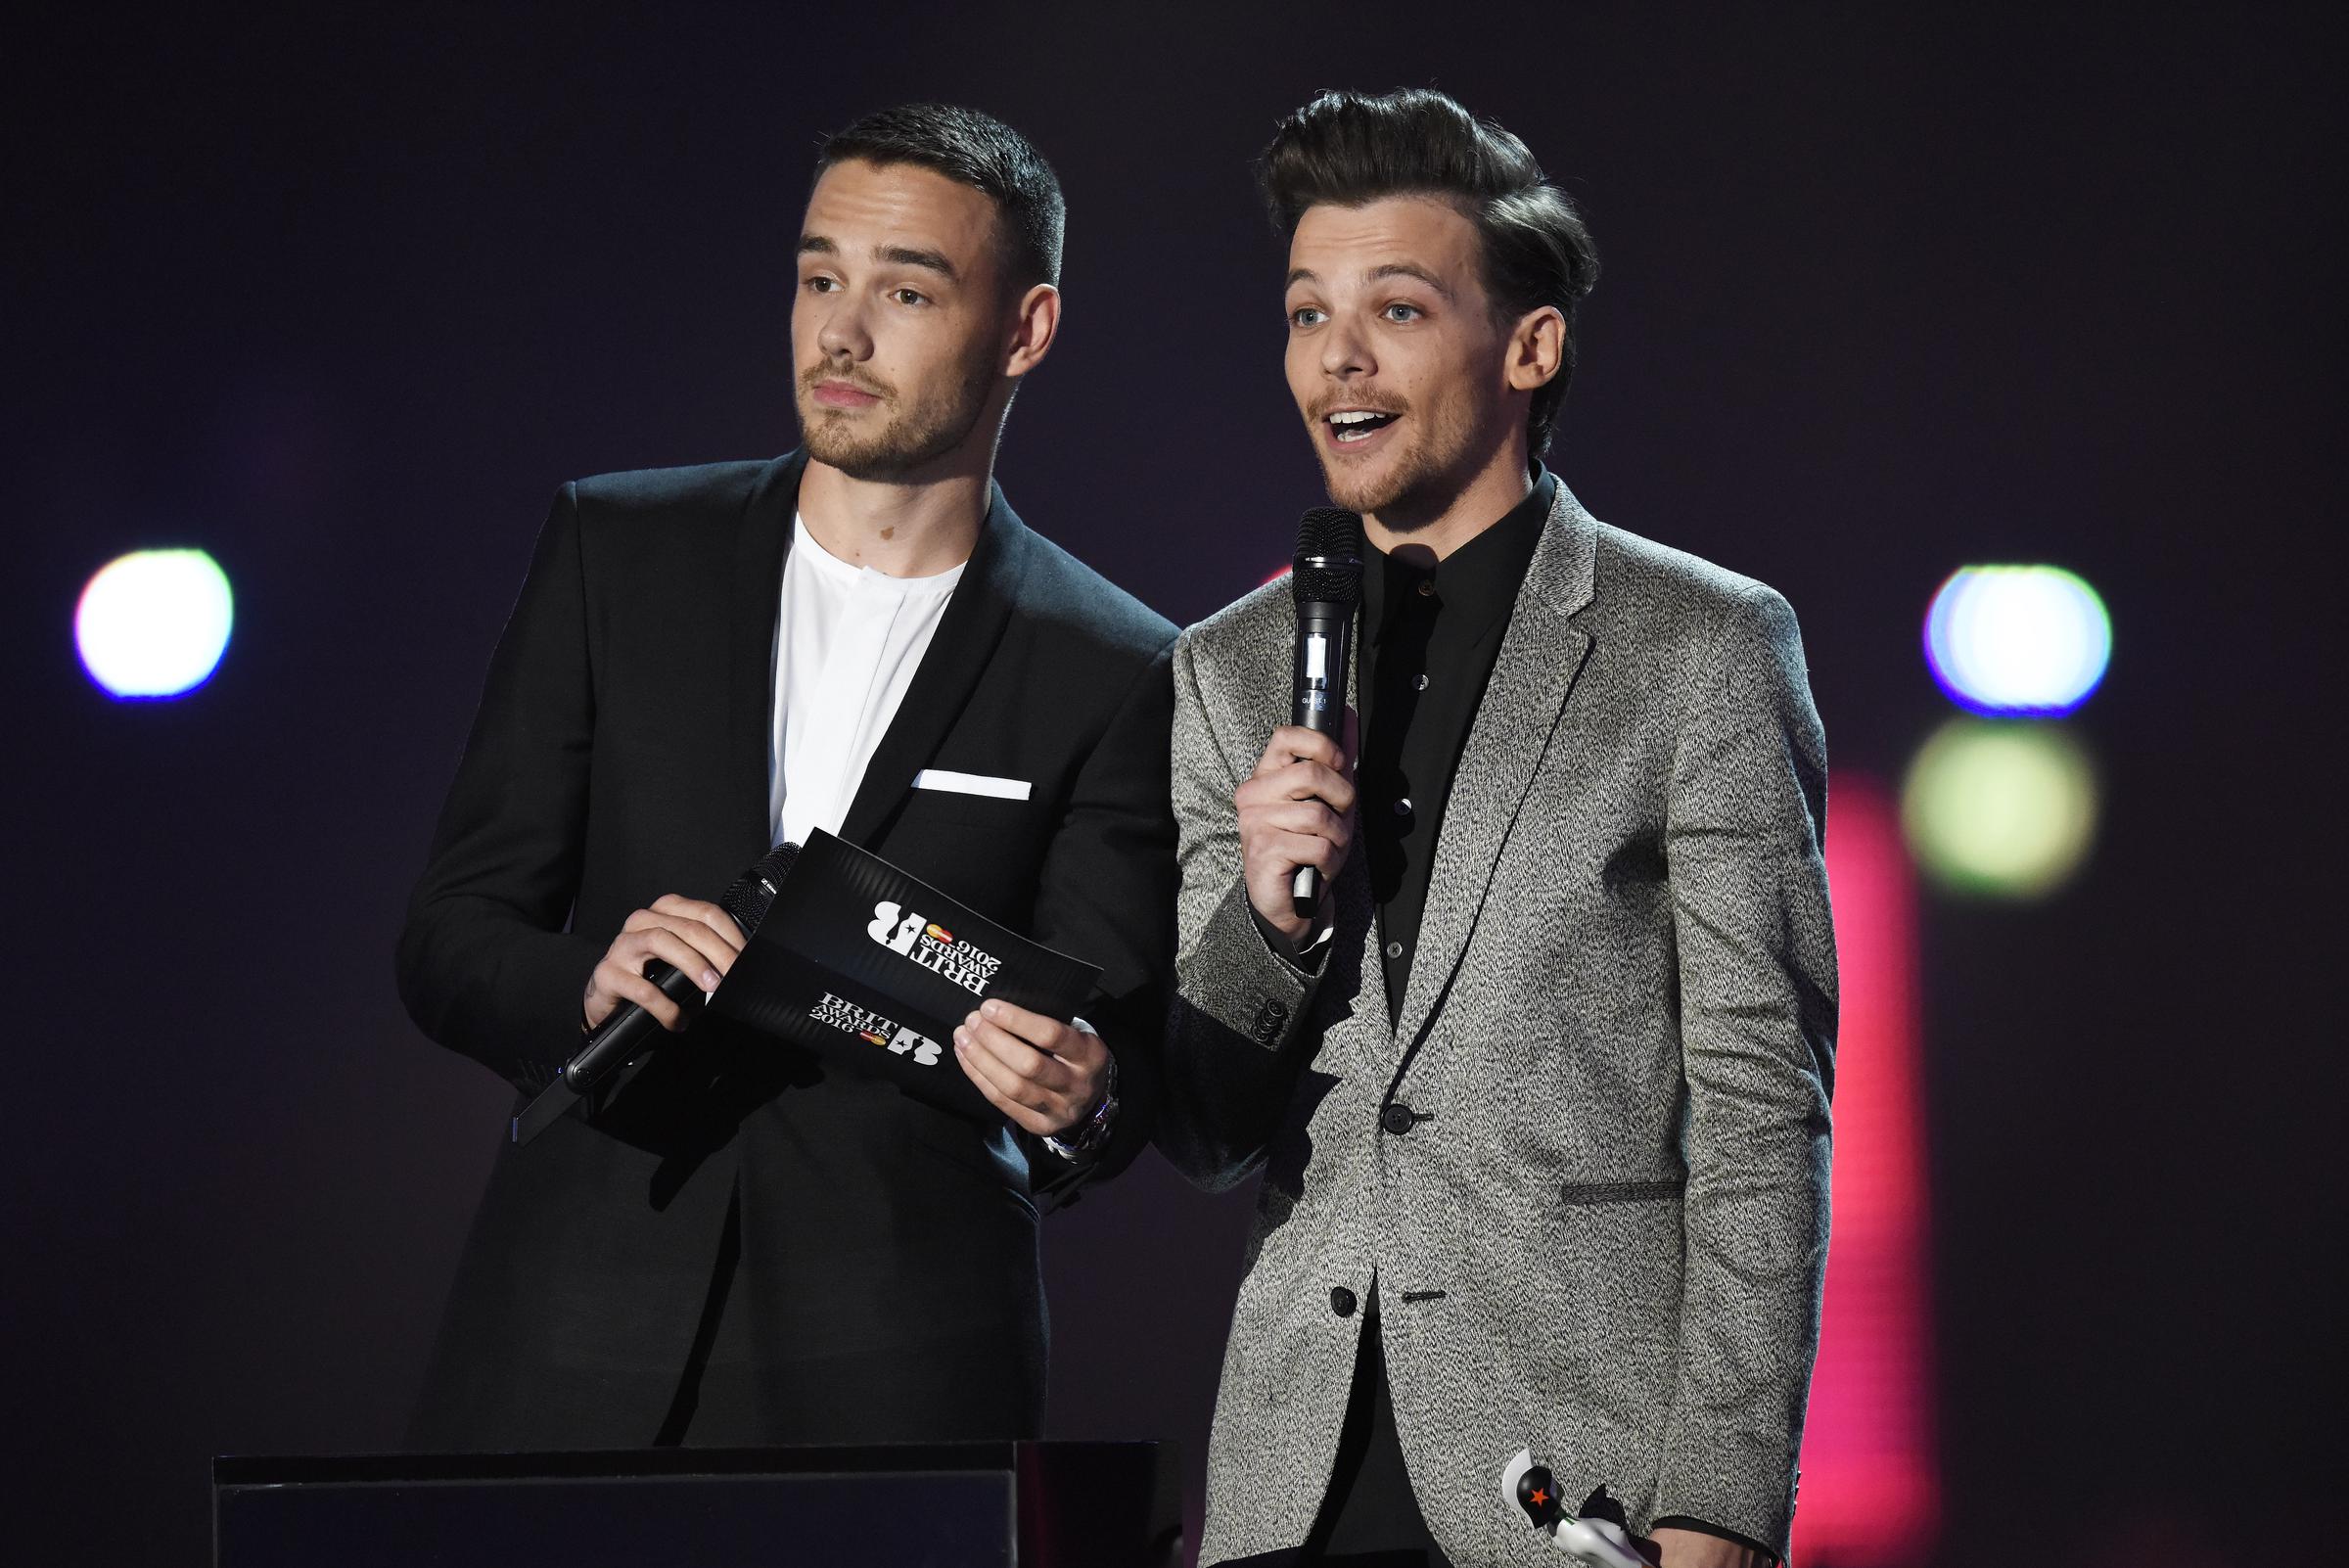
<point>873,970</point>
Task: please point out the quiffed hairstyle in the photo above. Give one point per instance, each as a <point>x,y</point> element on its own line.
<point>1349,149</point>
<point>979,150</point>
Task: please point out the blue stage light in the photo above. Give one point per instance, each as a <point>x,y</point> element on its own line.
<point>2024,641</point>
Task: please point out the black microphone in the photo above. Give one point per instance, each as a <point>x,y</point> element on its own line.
<point>629,1029</point>
<point>1327,585</point>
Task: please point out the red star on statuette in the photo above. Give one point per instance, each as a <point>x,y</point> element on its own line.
<point>1540,1497</point>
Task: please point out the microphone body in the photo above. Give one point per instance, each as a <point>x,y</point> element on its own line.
<point>618,1039</point>
<point>1327,582</point>
<point>630,1030</point>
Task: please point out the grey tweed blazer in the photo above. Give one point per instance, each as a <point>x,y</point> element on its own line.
<point>1604,1235</point>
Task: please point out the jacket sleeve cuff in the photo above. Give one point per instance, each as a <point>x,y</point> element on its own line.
<point>545,986</point>
<point>1233,976</point>
<point>1738,1492</point>
<point>1680,1521</point>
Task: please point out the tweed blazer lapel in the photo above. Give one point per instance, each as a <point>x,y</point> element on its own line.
<point>1541,655</point>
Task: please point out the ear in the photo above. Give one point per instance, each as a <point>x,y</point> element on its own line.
<point>1537,348</point>
<point>1034,322</point>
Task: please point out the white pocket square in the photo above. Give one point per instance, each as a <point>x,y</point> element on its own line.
<point>939,778</point>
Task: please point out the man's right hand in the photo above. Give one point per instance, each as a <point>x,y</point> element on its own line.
<point>1293,813</point>
<point>691,935</point>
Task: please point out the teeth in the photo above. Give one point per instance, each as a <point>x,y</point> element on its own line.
<point>1354,416</point>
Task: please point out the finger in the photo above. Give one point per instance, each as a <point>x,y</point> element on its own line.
<point>1294,849</point>
<point>1023,1061</point>
<point>619,983</point>
<point>1325,783</point>
<point>1023,1101</point>
<point>709,948</point>
<point>1040,1030</point>
<point>672,950</point>
<point>1298,781</point>
<point>1013,1111</point>
<point>708,942</point>
<point>1294,741</point>
<point>1296,817</point>
<point>721,924</point>
<point>1309,745</point>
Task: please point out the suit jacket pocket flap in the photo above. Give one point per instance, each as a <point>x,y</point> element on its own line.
<point>1581,1192</point>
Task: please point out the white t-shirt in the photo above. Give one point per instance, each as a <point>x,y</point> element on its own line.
<point>846,649</point>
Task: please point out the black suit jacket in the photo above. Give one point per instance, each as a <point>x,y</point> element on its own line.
<point>888,1261</point>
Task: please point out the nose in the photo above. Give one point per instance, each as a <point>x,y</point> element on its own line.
<point>842,333</point>
<point>1345,350</point>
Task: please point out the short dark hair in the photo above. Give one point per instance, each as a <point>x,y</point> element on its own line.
<point>1349,149</point>
<point>979,150</point>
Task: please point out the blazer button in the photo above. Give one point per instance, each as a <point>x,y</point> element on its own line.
<point>1397,1118</point>
<point>1341,1301</point>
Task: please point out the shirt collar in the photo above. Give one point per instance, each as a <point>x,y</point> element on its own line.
<point>846,574</point>
<point>1478,582</point>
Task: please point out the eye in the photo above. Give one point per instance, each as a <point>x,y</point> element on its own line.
<point>909,297</point>
<point>820,284</point>
<point>1400,312</point>
<point>1306,316</point>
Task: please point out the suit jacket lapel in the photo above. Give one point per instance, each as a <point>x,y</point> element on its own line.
<point>754,603</point>
<point>951,668</point>
<point>1541,654</point>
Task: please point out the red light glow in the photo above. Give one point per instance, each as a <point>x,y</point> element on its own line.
<point>1870,1488</point>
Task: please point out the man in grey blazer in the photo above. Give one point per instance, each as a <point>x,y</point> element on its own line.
<point>1540,1097</point>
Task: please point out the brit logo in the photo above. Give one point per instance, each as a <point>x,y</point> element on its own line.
<point>866,1025</point>
<point>933,947</point>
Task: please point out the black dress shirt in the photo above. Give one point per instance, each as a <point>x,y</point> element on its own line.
<point>1430,634</point>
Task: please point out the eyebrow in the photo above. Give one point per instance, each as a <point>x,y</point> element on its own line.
<point>1391,269</point>
<point>903,254</point>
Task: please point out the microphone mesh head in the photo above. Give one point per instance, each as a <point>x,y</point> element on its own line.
<point>1328,565</point>
<point>753,891</point>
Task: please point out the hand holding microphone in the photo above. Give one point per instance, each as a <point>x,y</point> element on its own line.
<point>1294,815</point>
<point>1293,808</point>
<point>656,976</point>
<point>696,939</point>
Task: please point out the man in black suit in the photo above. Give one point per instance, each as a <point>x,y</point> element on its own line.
<point>733,1246</point>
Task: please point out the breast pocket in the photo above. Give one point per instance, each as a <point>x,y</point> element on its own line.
<point>980,848</point>
<point>984,811</point>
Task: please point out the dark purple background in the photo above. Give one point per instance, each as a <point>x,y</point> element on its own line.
<point>343,301</point>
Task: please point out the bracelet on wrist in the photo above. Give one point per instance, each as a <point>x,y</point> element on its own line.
<point>1085,1139</point>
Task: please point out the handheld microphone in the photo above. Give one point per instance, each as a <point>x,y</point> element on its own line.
<point>629,1029</point>
<point>1327,585</point>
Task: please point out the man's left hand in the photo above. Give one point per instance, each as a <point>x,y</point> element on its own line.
<point>1693,1548</point>
<point>1041,1073</point>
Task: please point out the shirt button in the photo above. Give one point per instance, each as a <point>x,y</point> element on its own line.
<point>1427,589</point>
<point>1341,1301</point>
<point>1394,949</point>
<point>1422,683</point>
<point>1403,807</point>
<point>1397,1118</point>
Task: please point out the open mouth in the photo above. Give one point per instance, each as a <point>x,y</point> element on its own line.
<point>1350,425</point>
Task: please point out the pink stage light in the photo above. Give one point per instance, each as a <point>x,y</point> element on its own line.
<point>1871,1486</point>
